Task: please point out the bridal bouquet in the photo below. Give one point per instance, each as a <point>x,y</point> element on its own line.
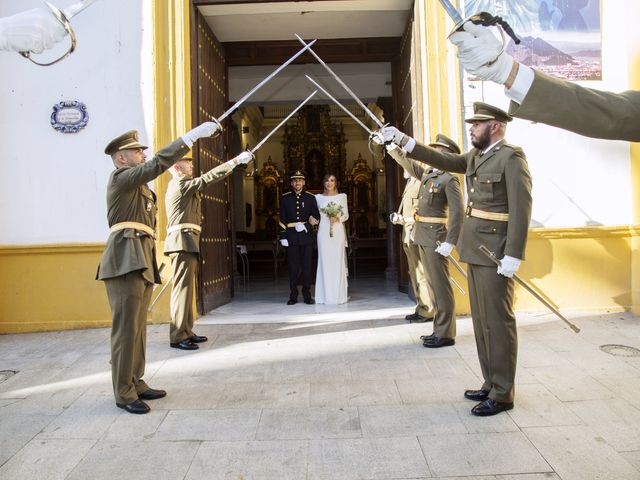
<point>332,210</point>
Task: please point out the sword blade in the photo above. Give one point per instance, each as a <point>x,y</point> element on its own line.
<point>75,8</point>
<point>457,285</point>
<point>344,85</point>
<point>164,287</point>
<point>345,109</point>
<point>273,74</point>
<point>524,284</point>
<point>282,122</point>
<point>457,265</point>
<point>451,11</point>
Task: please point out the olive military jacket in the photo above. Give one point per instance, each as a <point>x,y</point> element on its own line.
<point>589,112</point>
<point>129,199</point>
<point>439,196</point>
<point>183,203</point>
<point>498,181</point>
<point>408,207</point>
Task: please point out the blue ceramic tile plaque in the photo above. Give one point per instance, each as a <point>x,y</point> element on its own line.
<point>69,116</point>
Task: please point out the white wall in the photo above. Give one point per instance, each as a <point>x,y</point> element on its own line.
<point>577,181</point>
<point>53,186</point>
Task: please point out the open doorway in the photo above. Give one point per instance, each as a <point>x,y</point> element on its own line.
<point>236,44</point>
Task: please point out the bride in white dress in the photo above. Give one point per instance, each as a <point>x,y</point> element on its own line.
<point>331,275</point>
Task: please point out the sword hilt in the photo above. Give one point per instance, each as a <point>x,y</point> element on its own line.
<point>67,26</point>
<point>487,20</point>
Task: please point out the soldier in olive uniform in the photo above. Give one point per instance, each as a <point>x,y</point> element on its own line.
<point>128,265</point>
<point>182,244</point>
<point>298,213</point>
<point>405,217</point>
<point>437,234</point>
<point>497,216</point>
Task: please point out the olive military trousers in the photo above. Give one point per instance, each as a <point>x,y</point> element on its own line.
<point>424,303</point>
<point>129,297</point>
<point>185,265</point>
<point>494,326</point>
<point>440,291</point>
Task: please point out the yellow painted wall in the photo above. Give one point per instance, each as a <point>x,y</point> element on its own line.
<point>587,269</point>
<point>51,287</point>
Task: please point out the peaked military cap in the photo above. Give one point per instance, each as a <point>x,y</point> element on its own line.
<point>126,141</point>
<point>483,111</point>
<point>446,142</point>
<point>297,174</point>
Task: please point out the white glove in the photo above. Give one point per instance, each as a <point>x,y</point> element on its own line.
<point>301,227</point>
<point>31,31</point>
<point>388,134</point>
<point>203,130</point>
<point>284,242</point>
<point>508,266</point>
<point>396,218</point>
<point>244,158</point>
<point>477,46</point>
<point>444,249</point>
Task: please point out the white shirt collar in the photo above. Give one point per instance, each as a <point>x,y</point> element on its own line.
<point>490,146</point>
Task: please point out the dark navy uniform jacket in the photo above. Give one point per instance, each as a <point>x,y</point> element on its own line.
<point>297,208</point>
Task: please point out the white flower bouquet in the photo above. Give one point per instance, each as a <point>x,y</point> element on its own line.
<point>332,210</point>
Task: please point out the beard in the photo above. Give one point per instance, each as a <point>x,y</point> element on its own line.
<point>482,141</point>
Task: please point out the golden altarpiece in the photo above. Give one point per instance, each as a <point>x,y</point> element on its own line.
<point>316,145</point>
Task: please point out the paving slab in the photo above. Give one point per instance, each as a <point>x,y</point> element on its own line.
<point>263,460</point>
<point>482,454</point>
<point>367,458</point>
<point>578,453</point>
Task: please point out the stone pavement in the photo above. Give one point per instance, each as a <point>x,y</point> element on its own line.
<point>320,392</point>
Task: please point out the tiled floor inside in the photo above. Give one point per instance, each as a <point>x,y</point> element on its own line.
<point>318,392</point>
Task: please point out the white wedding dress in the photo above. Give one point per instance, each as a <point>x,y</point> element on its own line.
<point>331,276</point>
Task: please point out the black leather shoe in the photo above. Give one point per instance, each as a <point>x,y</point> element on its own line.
<point>198,338</point>
<point>436,342</point>
<point>477,395</point>
<point>491,407</point>
<point>185,345</point>
<point>137,406</point>
<point>152,394</point>
<point>292,301</point>
<point>309,301</point>
<point>427,337</point>
<point>416,318</point>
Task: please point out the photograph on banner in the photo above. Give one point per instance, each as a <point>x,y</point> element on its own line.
<point>559,37</point>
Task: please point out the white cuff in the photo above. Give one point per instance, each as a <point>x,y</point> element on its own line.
<point>232,163</point>
<point>411,144</point>
<point>521,84</point>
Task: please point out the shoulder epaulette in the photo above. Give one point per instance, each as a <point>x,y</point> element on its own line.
<point>286,193</point>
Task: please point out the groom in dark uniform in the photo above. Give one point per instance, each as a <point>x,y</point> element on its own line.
<point>298,214</point>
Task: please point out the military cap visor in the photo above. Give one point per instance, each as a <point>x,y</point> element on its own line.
<point>446,142</point>
<point>126,141</point>
<point>483,112</point>
<point>297,174</point>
